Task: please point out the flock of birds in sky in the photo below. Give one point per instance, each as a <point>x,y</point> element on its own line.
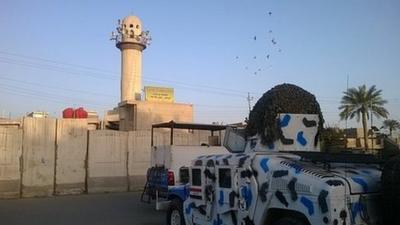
<point>257,64</point>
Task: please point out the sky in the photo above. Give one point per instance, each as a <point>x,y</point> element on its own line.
<point>57,54</point>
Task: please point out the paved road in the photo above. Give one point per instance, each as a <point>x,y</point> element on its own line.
<point>99,209</point>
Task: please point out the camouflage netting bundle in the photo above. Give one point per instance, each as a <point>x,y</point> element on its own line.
<point>283,98</point>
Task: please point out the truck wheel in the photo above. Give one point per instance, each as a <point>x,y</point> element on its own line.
<point>174,213</point>
<point>289,221</point>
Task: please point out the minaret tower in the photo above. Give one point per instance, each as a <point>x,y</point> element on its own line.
<point>131,40</point>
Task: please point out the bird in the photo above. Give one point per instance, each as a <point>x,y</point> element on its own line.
<point>255,57</point>
<point>280,50</point>
<point>237,57</point>
<point>273,41</point>
<point>255,38</point>
<point>255,73</point>
<point>268,56</point>
<point>259,69</point>
<point>270,13</point>
<point>270,31</point>
<point>246,68</point>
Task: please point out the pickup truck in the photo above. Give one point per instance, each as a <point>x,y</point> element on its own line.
<point>168,175</point>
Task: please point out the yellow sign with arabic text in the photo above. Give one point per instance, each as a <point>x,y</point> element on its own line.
<point>159,94</point>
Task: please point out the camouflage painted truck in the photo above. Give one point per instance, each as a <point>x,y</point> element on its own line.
<point>276,174</point>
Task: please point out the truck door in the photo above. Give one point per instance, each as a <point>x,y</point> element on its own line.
<point>226,193</point>
<point>202,189</point>
<point>248,191</point>
<point>210,178</point>
<point>197,194</point>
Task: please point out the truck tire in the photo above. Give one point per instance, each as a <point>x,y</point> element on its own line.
<point>289,221</point>
<point>175,213</point>
<point>391,192</point>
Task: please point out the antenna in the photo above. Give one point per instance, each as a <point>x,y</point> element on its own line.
<point>347,113</point>
<point>113,36</point>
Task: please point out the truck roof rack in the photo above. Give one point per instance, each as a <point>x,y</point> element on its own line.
<point>190,126</point>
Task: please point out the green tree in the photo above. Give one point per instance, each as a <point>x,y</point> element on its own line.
<point>391,125</point>
<point>360,103</point>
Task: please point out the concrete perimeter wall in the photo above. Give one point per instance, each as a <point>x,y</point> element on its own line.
<point>108,167</point>
<point>56,157</point>
<point>10,153</point>
<point>71,156</point>
<point>38,156</point>
<point>196,137</point>
<point>139,146</point>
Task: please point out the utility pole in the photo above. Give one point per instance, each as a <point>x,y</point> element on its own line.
<point>372,130</point>
<point>347,114</point>
<point>249,99</point>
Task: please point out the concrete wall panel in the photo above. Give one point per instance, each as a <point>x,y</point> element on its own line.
<point>71,156</point>
<point>140,115</point>
<point>107,161</point>
<point>139,146</point>
<point>184,138</point>
<point>38,156</point>
<point>196,137</point>
<point>10,153</point>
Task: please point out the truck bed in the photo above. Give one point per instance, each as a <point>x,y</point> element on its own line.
<point>173,157</point>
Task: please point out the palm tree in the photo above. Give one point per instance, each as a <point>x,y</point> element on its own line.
<point>391,125</point>
<point>360,102</point>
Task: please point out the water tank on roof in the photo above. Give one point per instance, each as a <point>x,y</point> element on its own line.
<point>80,113</point>
<point>68,113</point>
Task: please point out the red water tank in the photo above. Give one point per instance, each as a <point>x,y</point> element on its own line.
<point>68,113</point>
<point>80,113</point>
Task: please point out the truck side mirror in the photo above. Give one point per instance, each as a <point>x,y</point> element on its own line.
<point>234,140</point>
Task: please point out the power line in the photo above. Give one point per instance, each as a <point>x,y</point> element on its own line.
<point>46,95</point>
<point>57,88</point>
<point>69,68</point>
<point>187,87</point>
<point>114,74</point>
<point>56,62</point>
<point>37,97</point>
<point>53,68</point>
<point>58,96</point>
<point>91,93</point>
<point>50,98</point>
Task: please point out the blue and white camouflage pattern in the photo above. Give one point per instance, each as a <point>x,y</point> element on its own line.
<point>263,180</point>
<point>300,133</point>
